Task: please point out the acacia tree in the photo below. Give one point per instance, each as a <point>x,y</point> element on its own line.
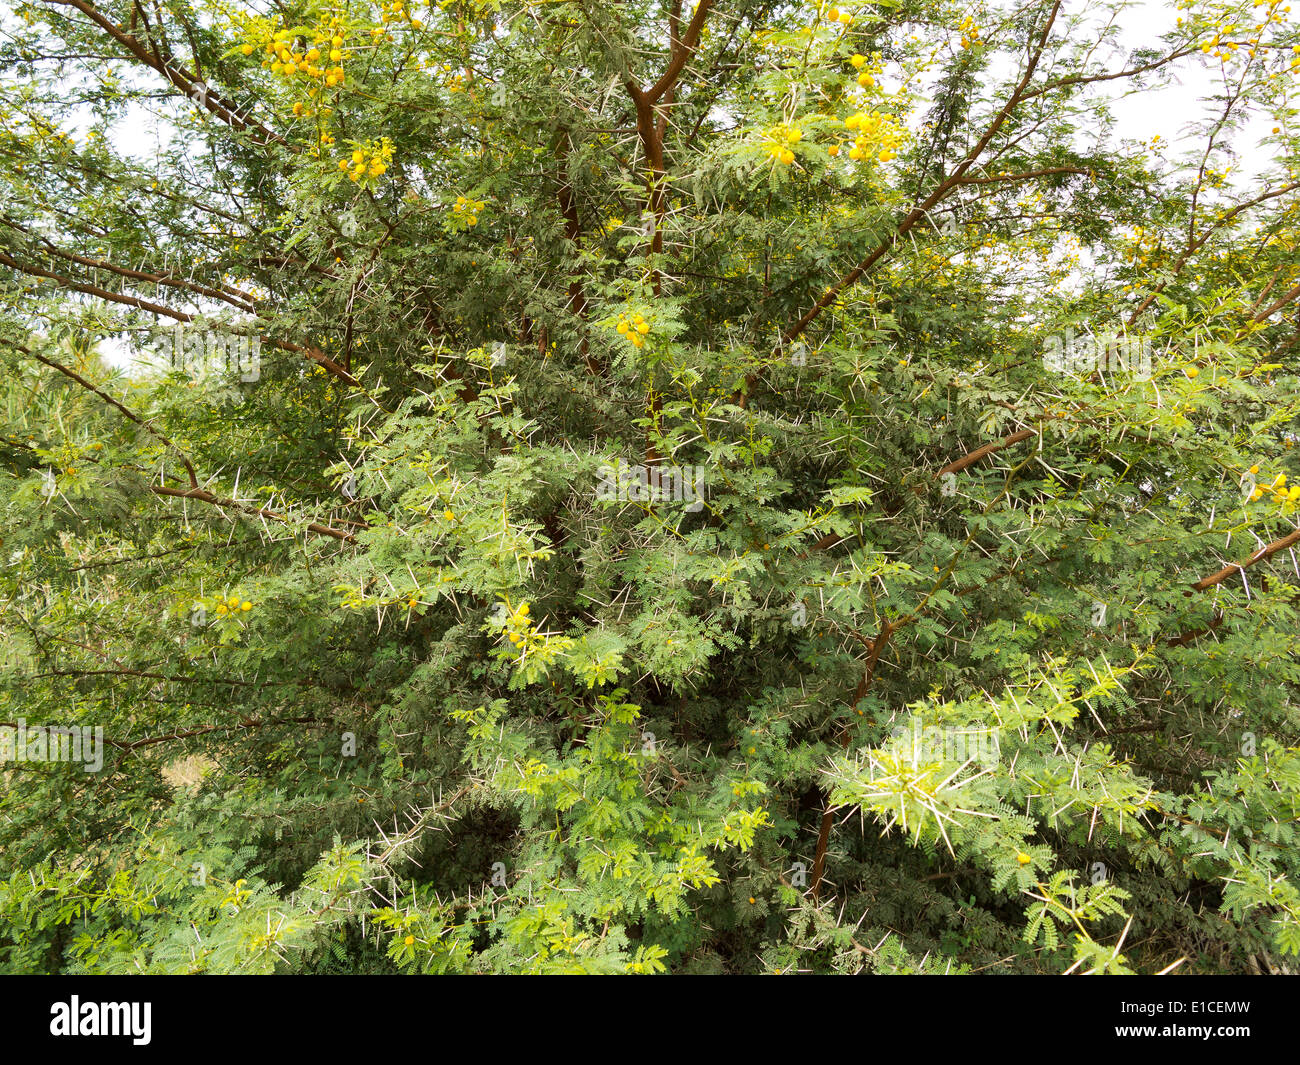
<point>686,511</point>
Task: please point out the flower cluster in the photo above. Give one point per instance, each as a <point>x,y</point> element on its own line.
<point>868,69</point>
<point>970,32</point>
<point>1222,48</point>
<point>466,210</point>
<point>1277,489</point>
<point>368,160</point>
<point>777,142</point>
<point>517,627</point>
<point>877,135</point>
<point>232,605</point>
<point>834,14</point>
<point>396,12</point>
<point>320,60</point>
<point>634,328</point>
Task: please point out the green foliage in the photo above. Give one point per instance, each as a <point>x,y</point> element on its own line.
<point>889,645</point>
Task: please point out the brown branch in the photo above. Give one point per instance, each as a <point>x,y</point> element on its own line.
<point>681,52</point>
<point>1198,241</point>
<point>573,231</point>
<point>163,62</point>
<point>1277,304</point>
<point>1264,552</point>
<point>1026,175</point>
<point>922,210</point>
<point>315,354</point>
<point>130,745</point>
<point>142,422</point>
<point>204,496</point>
<point>973,457</point>
<point>244,724</point>
<point>194,491</point>
<point>828,815</point>
<point>234,297</point>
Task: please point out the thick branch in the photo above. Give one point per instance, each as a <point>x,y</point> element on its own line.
<point>162,61</point>
<point>142,422</point>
